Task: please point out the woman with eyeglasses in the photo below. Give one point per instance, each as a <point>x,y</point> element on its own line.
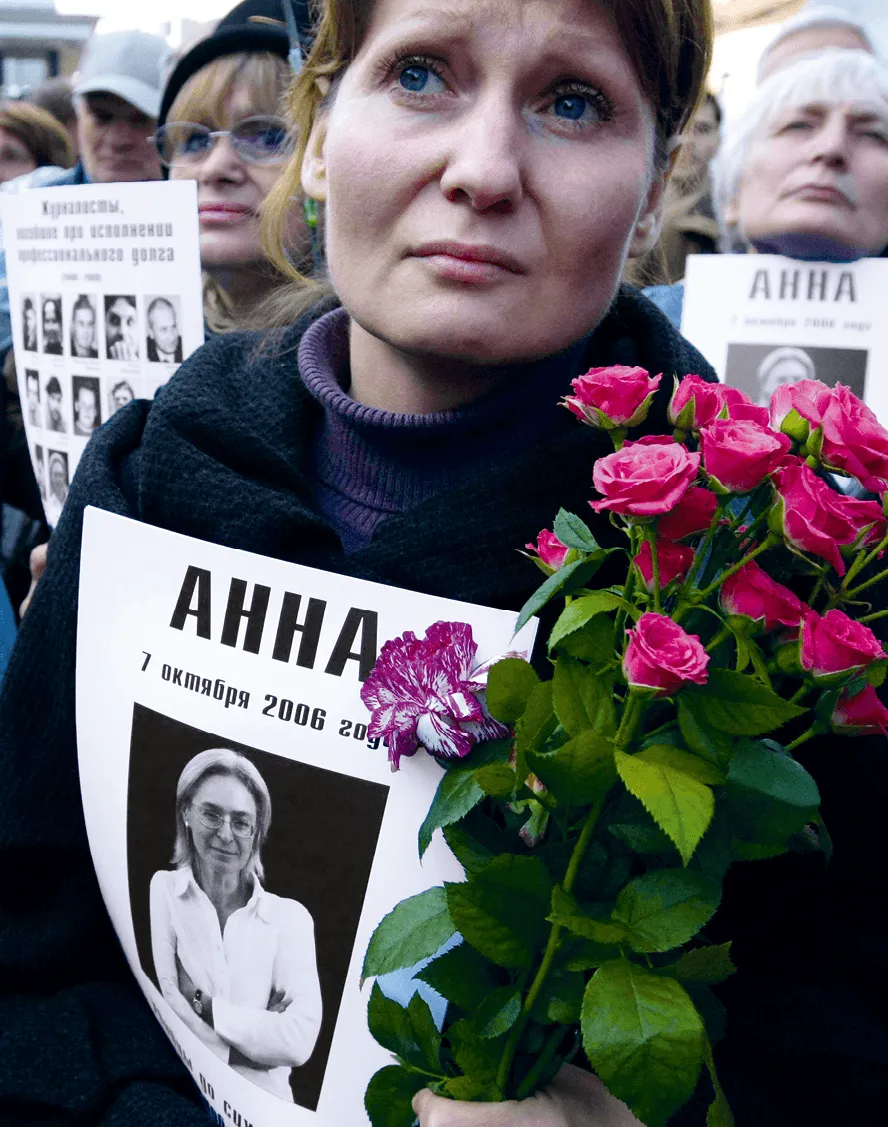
<point>236,963</point>
<point>220,124</point>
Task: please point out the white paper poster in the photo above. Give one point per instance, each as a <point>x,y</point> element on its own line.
<point>764,320</point>
<point>207,677</point>
<point>105,299</point>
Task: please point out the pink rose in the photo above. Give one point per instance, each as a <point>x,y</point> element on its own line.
<point>796,408</point>
<point>752,593</point>
<point>854,441</point>
<point>549,550</point>
<point>738,456</point>
<point>860,715</point>
<point>618,396</point>
<point>673,562</point>
<point>693,513</point>
<point>645,478</point>
<point>661,656</point>
<point>696,403</point>
<point>813,518</point>
<point>836,644</point>
<point>742,409</point>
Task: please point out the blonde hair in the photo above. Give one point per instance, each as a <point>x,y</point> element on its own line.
<point>668,41</point>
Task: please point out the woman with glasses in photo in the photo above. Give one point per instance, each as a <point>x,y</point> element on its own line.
<point>236,963</point>
<point>220,124</point>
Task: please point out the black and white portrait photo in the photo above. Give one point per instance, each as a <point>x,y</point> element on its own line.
<point>84,345</point>
<point>57,484</point>
<point>164,339</point>
<point>32,397</point>
<point>53,406</point>
<point>121,327</point>
<point>224,840</point>
<point>29,323</point>
<point>51,314</point>
<point>85,396</point>
<point>119,394</point>
<point>40,471</point>
<point>759,369</point>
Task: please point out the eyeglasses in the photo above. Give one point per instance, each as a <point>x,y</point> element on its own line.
<point>258,140</point>
<point>213,820</point>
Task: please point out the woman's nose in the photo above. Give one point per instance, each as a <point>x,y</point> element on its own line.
<point>483,165</point>
<point>831,140</point>
<point>224,831</point>
<point>221,163</point>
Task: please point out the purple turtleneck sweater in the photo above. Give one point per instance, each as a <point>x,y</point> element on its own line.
<point>370,463</point>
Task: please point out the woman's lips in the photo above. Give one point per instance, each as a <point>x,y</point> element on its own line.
<point>220,214</point>
<point>468,262</point>
<point>822,193</point>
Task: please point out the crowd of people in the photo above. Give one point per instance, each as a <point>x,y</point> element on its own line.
<point>416,226</point>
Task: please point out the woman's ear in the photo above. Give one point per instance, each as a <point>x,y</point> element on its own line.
<point>314,165</point>
<point>650,219</point>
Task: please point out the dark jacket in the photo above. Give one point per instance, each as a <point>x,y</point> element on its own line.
<point>225,456</point>
<point>152,351</point>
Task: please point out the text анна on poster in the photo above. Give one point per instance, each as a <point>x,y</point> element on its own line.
<point>223,748</point>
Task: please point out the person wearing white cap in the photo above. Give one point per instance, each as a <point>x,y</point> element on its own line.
<point>815,28</point>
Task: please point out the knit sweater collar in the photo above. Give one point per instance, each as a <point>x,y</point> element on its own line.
<point>370,463</point>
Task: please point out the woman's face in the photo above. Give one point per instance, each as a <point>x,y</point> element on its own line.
<point>15,158</point>
<point>225,796</point>
<point>30,320</point>
<point>819,170</point>
<point>485,166</point>
<point>230,191</point>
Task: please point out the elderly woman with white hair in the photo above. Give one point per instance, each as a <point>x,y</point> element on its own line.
<point>236,963</point>
<point>804,172</point>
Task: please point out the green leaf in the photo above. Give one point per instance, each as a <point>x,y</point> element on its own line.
<point>573,533</point>
<point>581,611</point>
<point>568,914</point>
<point>471,853</point>
<point>771,796</point>
<point>389,1096</point>
<point>563,582</point>
<point>428,1038</point>
<point>501,910</point>
<point>390,1025</point>
<point>642,838</point>
<point>706,965</point>
<point>474,1055</point>
<point>644,1038</point>
<point>679,804</point>
<point>581,698</point>
<point>561,999</point>
<point>498,1012</point>
<point>719,1113</point>
<point>698,734</point>
<point>509,685</point>
<point>741,705</point>
<point>537,723</point>
<point>472,1089</point>
<point>665,908</point>
<point>461,975</point>
<point>693,765</point>
<point>592,643</point>
<point>579,772</point>
<point>497,780</point>
<point>460,790</point>
<point>585,954</point>
<point>414,930</point>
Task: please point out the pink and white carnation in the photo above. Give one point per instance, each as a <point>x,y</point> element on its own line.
<point>618,396</point>
<point>421,693</point>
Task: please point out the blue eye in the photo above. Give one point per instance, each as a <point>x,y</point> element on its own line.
<point>570,106</point>
<point>415,77</point>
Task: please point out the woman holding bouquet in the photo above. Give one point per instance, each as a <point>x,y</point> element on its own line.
<point>486,168</point>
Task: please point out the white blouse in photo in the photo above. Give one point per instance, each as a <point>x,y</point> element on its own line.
<point>268,948</point>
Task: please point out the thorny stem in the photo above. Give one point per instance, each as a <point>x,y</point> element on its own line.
<point>651,537</point>
<point>542,1062</point>
<point>573,868</point>
<point>873,617</point>
<point>849,594</point>
<point>813,731</point>
<point>818,586</point>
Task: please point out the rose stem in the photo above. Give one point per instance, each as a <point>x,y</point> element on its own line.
<point>863,586</point>
<point>651,536</point>
<point>542,1062</point>
<point>573,867</point>
<point>814,730</point>
<point>769,542</point>
<point>873,617</point>
<point>703,549</point>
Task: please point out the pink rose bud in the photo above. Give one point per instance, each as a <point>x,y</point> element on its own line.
<point>753,594</point>
<point>854,441</point>
<point>836,644</point>
<point>693,514</point>
<point>742,409</point>
<point>618,396</point>
<point>645,478</point>
<point>549,550</point>
<point>673,562</point>
<point>696,403</point>
<point>860,715</point>
<point>738,456</point>
<point>661,656</point>
<point>796,408</point>
<point>813,518</point>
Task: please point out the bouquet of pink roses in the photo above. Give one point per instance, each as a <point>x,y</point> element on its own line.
<point>596,811</point>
